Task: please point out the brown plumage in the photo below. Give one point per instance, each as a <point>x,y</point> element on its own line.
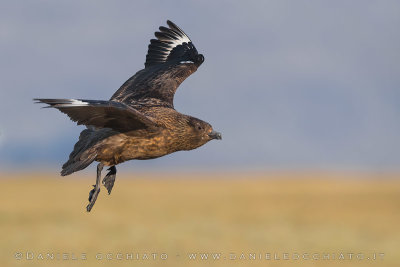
<point>139,121</point>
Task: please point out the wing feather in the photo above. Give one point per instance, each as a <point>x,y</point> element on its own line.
<point>101,114</point>
<point>170,59</point>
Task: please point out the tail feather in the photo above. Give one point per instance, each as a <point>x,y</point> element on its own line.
<point>81,156</point>
<point>73,166</point>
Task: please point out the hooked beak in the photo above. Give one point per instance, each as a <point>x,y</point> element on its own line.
<point>215,135</point>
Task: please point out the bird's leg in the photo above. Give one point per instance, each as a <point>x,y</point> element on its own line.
<point>96,190</point>
<point>109,179</point>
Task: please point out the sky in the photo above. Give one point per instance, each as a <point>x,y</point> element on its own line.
<point>290,84</point>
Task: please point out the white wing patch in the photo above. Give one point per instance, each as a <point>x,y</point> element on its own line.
<point>186,62</point>
<point>172,44</point>
<point>181,40</point>
<point>74,103</point>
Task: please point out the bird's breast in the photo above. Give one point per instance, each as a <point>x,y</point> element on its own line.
<point>148,148</point>
<point>123,147</point>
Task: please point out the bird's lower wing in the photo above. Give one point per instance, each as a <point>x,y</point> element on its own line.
<point>101,114</point>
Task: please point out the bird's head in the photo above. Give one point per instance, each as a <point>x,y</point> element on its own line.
<point>200,132</point>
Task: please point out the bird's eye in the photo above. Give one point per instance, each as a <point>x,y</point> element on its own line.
<point>199,127</point>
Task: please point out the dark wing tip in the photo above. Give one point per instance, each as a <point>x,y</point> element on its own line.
<point>42,101</point>
<point>175,27</point>
<point>51,102</point>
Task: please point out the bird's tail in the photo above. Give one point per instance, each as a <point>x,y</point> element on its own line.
<point>82,156</point>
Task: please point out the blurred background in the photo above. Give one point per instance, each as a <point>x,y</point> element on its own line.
<point>305,93</point>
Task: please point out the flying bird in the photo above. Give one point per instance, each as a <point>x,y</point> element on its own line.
<point>139,121</point>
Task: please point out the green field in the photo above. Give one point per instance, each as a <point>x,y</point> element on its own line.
<point>305,214</point>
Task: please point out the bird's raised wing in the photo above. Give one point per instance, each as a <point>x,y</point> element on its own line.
<point>171,58</point>
<point>101,114</point>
